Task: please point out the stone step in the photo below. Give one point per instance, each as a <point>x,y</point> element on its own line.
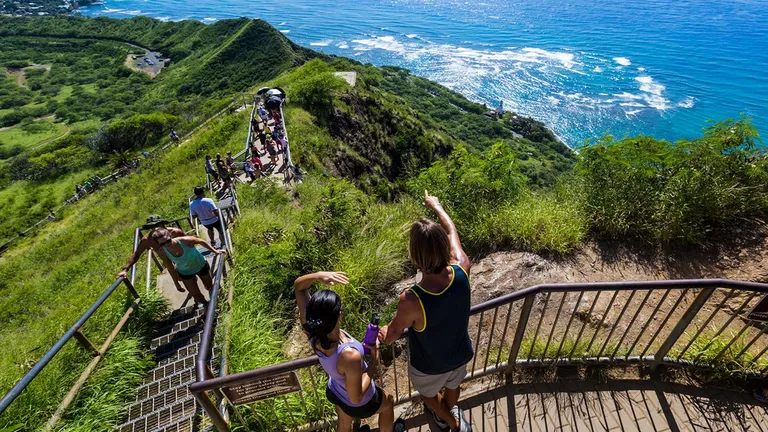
<point>175,327</point>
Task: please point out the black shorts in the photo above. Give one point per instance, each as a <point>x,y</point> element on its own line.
<point>215,225</point>
<point>206,270</point>
<point>360,412</point>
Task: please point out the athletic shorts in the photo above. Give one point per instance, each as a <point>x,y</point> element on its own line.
<point>430,385</point>
<point>214,225</point>
<point>206,270</point>
<point>360,412</point>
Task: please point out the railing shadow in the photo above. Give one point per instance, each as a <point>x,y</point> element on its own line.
<point>591,405</point>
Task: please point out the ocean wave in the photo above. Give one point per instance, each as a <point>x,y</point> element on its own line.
<point>653,92</point>
<point>598,69</point>
<point>209,20</point>
<point>623,61</point>
<point>321,43</point>
<point>282,23</point>
<point>342,45</point>
<point>411,36</point>
<point>689,102</point>
<point>285,31</point>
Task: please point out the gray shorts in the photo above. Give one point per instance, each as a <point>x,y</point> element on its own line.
<point>430,385</point>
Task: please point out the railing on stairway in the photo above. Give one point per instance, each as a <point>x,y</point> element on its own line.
<point>74,332</point>
<point>689,323</point>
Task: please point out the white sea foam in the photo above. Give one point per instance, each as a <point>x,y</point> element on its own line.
<point>553,100</point>
<point>598,69</point>
<point>342,45</point>
<point>632,104</point>
<point>321,43</point>
<point>630,96</point>
<point>689,102</point>
<point>209,19</point>
<point>282,23</point>
<point>641,69</point>
<point>653,92</point>
<point>632,113</point>
<point>285,31</point>
<point>411,36</point>
<point>622,61</point>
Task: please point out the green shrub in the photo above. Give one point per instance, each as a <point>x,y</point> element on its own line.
<point>316,87</point>
<point>667,191</point>
<point>472,187</point>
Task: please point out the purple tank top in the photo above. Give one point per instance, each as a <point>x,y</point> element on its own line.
<point>336,380</point>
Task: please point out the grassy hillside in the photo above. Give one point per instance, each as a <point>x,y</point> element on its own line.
<point>51,279</point>
<point>369,152</point>
<point>88,87</point>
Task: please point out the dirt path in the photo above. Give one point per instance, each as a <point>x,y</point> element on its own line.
<point>21,73</point>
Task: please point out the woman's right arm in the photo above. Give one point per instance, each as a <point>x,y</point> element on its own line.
<point>303,283</point>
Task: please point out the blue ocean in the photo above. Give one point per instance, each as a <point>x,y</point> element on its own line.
<point>584,67</point>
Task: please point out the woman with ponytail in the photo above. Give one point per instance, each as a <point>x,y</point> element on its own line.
<point>350,383</point>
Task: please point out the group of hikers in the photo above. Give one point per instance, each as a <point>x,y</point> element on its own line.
<point>178,252</point>
<point>267,140</point>
<point>436,313</point>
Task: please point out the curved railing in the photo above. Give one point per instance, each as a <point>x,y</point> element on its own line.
<point>702,323</point>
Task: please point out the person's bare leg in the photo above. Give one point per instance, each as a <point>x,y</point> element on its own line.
<point>207,281</point>
<point>386,413</point>
<point>344,423</point>
<point>194,290</point>
<point>451,396</point>
<point>438,406</point>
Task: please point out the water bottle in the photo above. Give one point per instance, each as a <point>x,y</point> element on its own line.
<point>371,334</point>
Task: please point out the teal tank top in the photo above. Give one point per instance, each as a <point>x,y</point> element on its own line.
<point>190,262</point>
<point>444,344</point>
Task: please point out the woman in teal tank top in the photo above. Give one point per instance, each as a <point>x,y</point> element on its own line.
<point>190,263</point>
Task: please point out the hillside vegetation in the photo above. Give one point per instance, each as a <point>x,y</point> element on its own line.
<point>96,112</point>
<point>369,153</point>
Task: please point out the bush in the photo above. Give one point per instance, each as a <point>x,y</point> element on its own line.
<point>666,191</point>
<point>315,86</point>
<point>136,132</point>
<point>472,187</point>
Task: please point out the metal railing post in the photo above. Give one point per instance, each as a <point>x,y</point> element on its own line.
<point>86,343</point>
<point>681,325</point>
<point>210,408</point>
<point>522,323</point>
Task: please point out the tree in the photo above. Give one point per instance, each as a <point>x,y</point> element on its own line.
<point>136,132</point>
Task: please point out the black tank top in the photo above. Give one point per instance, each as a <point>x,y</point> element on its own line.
<point>444,344</point>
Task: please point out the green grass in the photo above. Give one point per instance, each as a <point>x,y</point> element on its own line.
<point>49,280</point>
<point>17,135</point>
<point>64,93</point>
<point>721,352</point>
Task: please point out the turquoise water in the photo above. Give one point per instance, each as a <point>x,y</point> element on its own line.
<point>584,67</point>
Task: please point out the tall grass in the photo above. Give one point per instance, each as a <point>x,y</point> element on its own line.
<point>48,281</point>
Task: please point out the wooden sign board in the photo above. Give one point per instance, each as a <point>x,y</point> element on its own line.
<point>263,388</point>
<point>760,311</point>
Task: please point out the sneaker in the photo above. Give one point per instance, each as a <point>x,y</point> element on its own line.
<point>442,424</point>
<point>399,425</point>
<point>761,395</point>
<point>464,425</point>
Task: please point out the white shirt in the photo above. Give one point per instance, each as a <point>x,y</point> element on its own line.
<point>205,210</point>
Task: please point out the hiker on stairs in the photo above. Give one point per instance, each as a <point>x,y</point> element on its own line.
<point>205,210</point>
<point>190,263</point>
<point>155,222</point>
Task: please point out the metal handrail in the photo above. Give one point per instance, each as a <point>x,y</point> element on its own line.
<point>72,332</point>
<point>703,287</point>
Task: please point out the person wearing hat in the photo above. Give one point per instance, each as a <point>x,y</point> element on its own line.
<point>272,151</point>
<point>155,222</point>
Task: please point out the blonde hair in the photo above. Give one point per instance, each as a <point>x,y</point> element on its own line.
<point>429,247</point>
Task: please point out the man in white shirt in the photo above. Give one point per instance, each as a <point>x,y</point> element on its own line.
<point>206,211</point>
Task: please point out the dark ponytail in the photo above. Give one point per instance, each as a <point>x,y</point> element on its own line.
<point>322,315</point>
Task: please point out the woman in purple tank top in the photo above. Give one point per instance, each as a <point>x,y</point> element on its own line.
<point>350,383</point>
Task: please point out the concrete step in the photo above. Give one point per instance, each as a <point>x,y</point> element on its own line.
<point>160,372</point>
<point>157,402</point>
<point>174,327</point>
<point>171,338</point>
<point>182,340</point>
<point>170,382</point>
<point>160,419</point>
